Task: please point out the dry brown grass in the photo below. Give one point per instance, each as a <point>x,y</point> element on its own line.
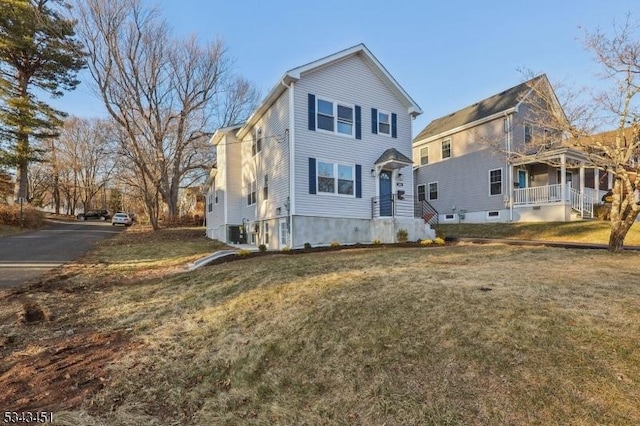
<point>457,335</point>
<point>580,232</point>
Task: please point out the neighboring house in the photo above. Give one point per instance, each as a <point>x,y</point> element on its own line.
<point>466,167</point>
<point>324,158</point>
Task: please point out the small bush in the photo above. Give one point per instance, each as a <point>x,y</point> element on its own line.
<point>335,244</point>
<point>602,211</point>
<point>262,247</point>
<point>243,253</point>
<point>402,235</point>
<point>286,249</point>
<point>439,241</point>
<point>426,243</point>
<point>307,246</point>
<point>31,218</point>
<point>376,242</point>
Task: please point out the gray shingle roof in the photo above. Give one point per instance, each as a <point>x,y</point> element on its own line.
<point>479,110</point>
<point>393,155</point>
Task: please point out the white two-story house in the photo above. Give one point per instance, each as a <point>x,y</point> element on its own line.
<point>472,165</point>
<point>325,158</point>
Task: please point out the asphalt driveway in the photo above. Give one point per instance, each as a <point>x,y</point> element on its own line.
<point>26,257</point>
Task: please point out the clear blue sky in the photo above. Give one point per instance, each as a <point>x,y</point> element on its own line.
<point>446,54</point>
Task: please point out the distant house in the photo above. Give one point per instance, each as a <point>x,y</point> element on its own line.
<point>465,166</point>
<point>324,158</point>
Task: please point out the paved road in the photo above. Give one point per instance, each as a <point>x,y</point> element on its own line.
<point>26,257</point>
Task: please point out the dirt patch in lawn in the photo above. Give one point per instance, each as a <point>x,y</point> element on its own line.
<point>59,373</point>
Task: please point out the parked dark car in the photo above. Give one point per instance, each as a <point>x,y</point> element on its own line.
<point>94,214</point>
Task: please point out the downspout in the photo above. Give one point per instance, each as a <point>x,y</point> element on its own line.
<point>509,168</point>
<point>292,158</point>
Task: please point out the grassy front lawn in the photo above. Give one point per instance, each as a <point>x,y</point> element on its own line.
<point>467,334</point>
<point>584,232</point>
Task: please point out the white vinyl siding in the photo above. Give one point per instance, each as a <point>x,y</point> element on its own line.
<point>351,81</point>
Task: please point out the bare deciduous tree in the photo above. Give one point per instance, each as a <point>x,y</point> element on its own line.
<point>579,123</point>
<point>165,94</point>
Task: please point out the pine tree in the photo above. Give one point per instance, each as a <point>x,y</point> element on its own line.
<point>39,55</point>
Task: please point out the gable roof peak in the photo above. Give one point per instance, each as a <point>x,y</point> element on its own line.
<point>501,102</point>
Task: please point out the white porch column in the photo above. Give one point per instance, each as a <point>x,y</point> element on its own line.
<point>563,178</point>
<point>596,181</point>
<point>610,180</point>
<point>582,189</point>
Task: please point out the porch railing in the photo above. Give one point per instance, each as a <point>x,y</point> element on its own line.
<point>403,206</point>
<point>580,202</point>
<point>538,195</point>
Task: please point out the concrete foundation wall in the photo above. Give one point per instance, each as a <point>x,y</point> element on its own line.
<point>548,213</point>
<point>322,231</point>
<point>386,229</point>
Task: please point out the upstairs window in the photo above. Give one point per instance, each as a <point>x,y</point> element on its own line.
<point>446,149</point>
<point>335,117</point>
<point>256,145</point>
<point>528,133</point>
<point>424,155</point>
<point>384,123</point>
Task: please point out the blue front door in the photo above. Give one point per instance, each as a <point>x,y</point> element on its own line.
<point>386,201</point>
<point>522,179</point>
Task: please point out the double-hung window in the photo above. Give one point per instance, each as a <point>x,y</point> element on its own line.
<point>424,155</point>
<point>265,188</point>
<point>335,117</point>
<point>251,192</point>
<point>384,123</point>
<point>528,133</point>
<point>256,144</point>
<point>495,182</point>
<point>446,148</point>
<point>433,191</point>
<point>334,178</point>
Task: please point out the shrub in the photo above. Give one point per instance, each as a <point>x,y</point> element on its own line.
<point>402,235</point>
<point>602,211</point>
<point>262,247</point>
<point>426,243</point>
<point>335,244</point>
<point>439,241</point>
<point>286,249</point>
<point>376,242</point>
<point>243,253</point>
<point>31,218</point>
<point>307,246</point>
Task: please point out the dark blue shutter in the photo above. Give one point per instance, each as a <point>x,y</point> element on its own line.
<point>358,181</point>
<point>312,175</point>
<point>358,122</point>
<point>374,121</point>
<point>394,125</point>
<point>312,112</point>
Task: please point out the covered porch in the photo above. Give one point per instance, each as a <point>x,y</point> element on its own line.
<point>556,186</point>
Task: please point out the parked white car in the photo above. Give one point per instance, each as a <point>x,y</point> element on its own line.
<point>121,219</point>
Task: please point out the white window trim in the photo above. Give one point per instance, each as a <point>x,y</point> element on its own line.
<point>493,217</point>
<point>501,182</point>
<point>428,193</point>
<point>420,155</point>
<point>442,149</point>
<point>335,117</point>
<point>390,123</point>
<point>449,217</point>
<point>335,177</point>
